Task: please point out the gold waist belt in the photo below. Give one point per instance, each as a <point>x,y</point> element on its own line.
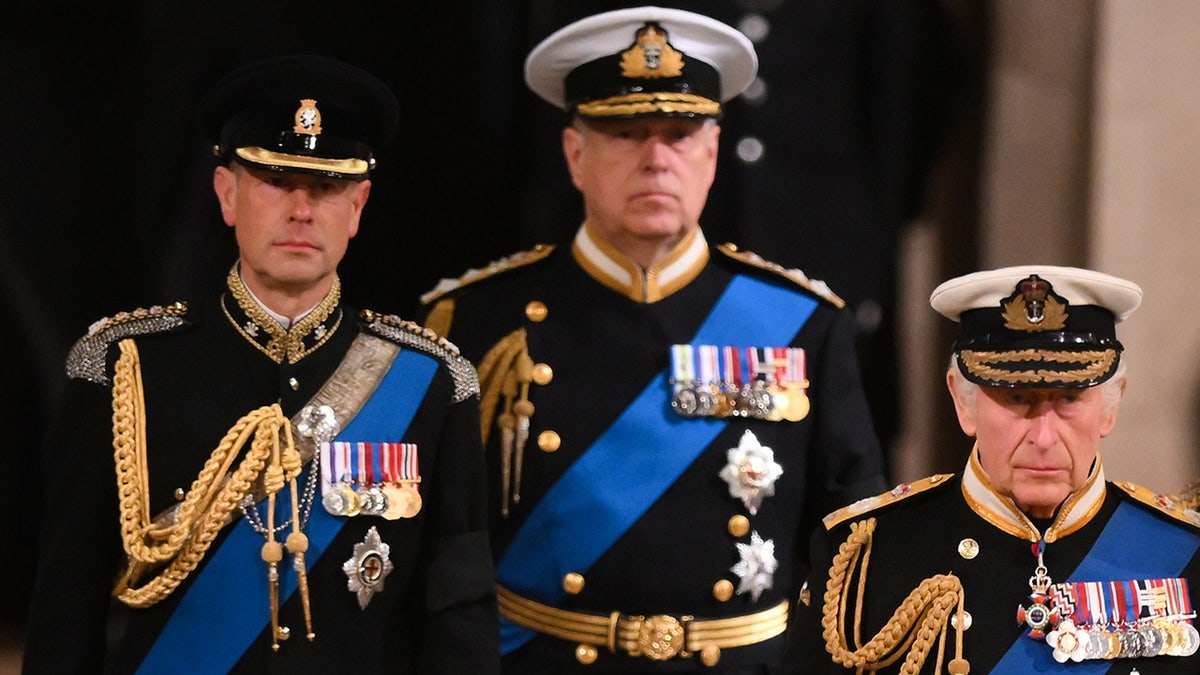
<point>658,637</point>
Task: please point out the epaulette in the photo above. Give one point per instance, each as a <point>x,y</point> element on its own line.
<point>519,259</point>
<point>87,358</point>
<point>411,334</point>
<point>1161,502</point>
<point>816,286</point>
<point>896,494</point>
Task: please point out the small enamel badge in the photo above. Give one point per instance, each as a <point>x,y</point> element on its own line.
<point>651,55</point>
<point>751,471</point>
<point>757,566</point>
<point>368,567</point>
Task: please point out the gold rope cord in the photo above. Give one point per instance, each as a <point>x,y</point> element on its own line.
<point>507,371</point>
<point>923,616</point>
<point>208,504</point>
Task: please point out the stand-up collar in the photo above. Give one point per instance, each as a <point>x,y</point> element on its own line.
<point>1003,513</point>
<point>264,330</point>
<point>608,266</point>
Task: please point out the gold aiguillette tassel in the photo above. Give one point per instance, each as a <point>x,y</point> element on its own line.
<point>272,553</point>
<point>297,541</point>
<point>523,410</point>
<point>508,426</point>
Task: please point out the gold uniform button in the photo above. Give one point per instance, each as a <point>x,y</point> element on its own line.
<point>573,583</point>
<point>536,311</point>
<point>710,654</point>
<point>723,590</point>
<point>586,654</point>
<point>968,548</point>
<point>549,441</point>
<point>542,373</point>
<point>294,384</point>
<point>179,494</point>
<point>739,526</point>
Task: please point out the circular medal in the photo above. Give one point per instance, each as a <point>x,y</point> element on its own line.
<point>334,502</point>
<point>1191,639</point>
<point>1131,644</point>
<point>1095,644</point>
<point>760,403</point>
<point>412,501</point>
<point>379,500</point>
<point>725,403</point>
<point>1153,640</point>
<point>778,403</point>
<point>684,402</point>
<point>706,402</point>
<point>397,501</point>
<point>798,405</point>
<point>353,505</point>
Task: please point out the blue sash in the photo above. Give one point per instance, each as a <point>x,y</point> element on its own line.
<point>609,488</point>
<point>1119,553</point>
<point>228,605</point>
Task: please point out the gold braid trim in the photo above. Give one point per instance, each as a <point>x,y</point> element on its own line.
<point>208,504</point>
<point>493,369</point>
<point>909,633</point>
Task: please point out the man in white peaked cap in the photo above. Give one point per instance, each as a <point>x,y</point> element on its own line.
<point>1029,560</point>
<point>666,421</point>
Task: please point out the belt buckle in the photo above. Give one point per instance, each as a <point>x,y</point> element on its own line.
<point>661,637</point>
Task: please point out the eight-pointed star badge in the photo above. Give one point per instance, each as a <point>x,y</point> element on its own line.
<point>756,569</point>
<point>368,567</point>
<point>751,471</point>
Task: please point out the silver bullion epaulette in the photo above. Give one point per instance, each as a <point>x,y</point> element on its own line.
<point>799,277</point>
<point>87,358</point>
<point>504,264</point>
<point>411,334</point>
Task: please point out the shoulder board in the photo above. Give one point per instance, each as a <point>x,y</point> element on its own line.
<point>413,335</point>
<point>870,504</point>
<point>815,286</point>
<point>1162,503</point>
<point>493,268</point>
<point>87,358</point>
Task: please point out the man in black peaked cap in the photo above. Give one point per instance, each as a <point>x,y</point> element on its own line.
<point>264,479</point>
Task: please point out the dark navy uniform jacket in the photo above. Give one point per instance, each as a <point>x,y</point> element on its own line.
<point>436,610</point>
<point>606,337</point>
<point>935,527</point>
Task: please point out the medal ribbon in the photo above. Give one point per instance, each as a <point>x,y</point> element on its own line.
<point>550,543</point>
<point>202,632</point>
<point>1118,553</point>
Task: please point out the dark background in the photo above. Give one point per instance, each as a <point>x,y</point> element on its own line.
<point>105,187</point>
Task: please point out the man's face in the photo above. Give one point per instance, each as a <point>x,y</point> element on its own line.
<point>1037,445</point>
<point>292,229</point>
<point>643,180</point>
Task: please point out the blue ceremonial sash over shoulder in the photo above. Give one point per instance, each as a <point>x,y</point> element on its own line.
<point>227,606</point>
<point>549,544</point>
<point>1120,553</point>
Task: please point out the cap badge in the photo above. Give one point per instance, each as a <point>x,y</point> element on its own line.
<point>651,55</point>
<point>1034,306</point>
<point>308,118</point>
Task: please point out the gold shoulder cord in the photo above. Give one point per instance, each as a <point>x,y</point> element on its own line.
<point>924,615</point>
<point>507,370</point>
<point>208,504</point>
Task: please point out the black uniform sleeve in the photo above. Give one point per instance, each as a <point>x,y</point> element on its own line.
<point>846,463</point>
<point>461,632</point>
<point>80,550</point>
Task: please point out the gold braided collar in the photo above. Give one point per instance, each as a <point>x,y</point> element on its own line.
<point>1002,513</point>
<point>264,332</point>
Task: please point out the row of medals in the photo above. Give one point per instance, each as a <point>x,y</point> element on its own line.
<point>392,500</point>
<point>760,399</point>
<point>1160,637</point>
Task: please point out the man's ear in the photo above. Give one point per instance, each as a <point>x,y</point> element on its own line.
<point>225,187</point>
<point>572,144</point>
<point>964,408</point>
